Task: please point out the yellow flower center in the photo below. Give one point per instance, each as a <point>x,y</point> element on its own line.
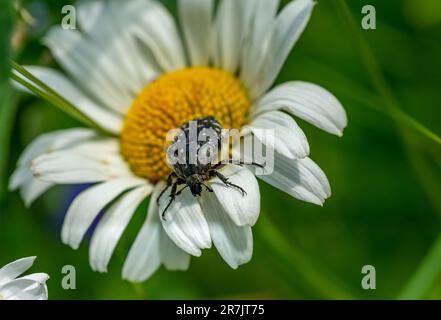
<point>172,100</point>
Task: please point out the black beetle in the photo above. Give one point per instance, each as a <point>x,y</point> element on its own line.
<point>194,165</point>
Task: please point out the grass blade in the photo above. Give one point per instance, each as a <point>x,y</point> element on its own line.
<point>42,90</point>
<point>430,269</point>
<point>426,274</point>
<point>319,279</point>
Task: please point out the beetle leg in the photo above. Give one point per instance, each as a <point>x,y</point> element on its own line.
<point>172,198</point>
<point>169,183</point>
<point>207,187</point>
<point>225,181</point>
<point>241,163</point>
<point>180,191</point>
<point>217,166</point>
<point>253,164</point>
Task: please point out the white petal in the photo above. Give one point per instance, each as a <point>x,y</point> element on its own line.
<point>89,14</point>
<point>68,168</point>
<point>87,163</point>
<point>38,290</point>
<point>144,256</point>
<point>277,44</point>
<point>53,141</point>
<point>60,84</point>
<point>263,12</point>
<point>111,26</point>
<point>242,209</point>
<point>156,29</point>
<point>285,136</point>
<point>22,176</point>
<point>37,277</point>
<point>234,243</point>
<point>24,289</point>
<point>152,245</point>
<point>89,65</point>
<point>184,222</point>
<point>302,179</point>
<point>308,101</point>
<point>139,63</point>
<point>14,269</point>
<point>88,204</point>
<point>229,33</point>
<point>32,189</point>
<point>196,18</point>
<point>19,177</point>
<point>173,257</point>
<point>112,225</point>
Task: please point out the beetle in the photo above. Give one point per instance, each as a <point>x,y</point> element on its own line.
<point>194,174</point>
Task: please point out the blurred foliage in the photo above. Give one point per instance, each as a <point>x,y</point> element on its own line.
<point>7,107</point>
<point>385,175</point>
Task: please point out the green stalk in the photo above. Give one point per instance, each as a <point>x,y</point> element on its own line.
<point>42,90</point>
<point>67,108</point>
<point>320,280</point>
<point>412,123</point>
<point>25,73</point>
<point>420,281</point>
<point>378,80</point>
<point>374,102</point>
<point>426,274</point>
<point>37,91</point>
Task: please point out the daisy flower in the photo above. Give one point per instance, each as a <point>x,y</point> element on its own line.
<point>30,287</point>
<point>135,74</point>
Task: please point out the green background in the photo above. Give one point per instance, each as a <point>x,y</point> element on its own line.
<point>385,172</point>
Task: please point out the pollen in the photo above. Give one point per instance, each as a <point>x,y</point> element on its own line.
<point>172,100</point>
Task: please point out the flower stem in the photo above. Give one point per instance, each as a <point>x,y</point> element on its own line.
<point>372,67</point>
<point>426,274</point>
<point>42,90</point>
<point>431,265</point>
<point>411,122</point>
<point>364,97</point>
<point>377,78</point>
<point>322,282</point>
